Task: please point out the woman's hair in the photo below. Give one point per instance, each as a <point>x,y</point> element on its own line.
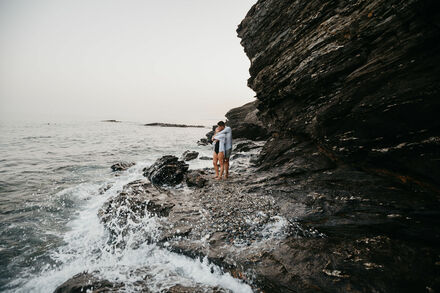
<point>221,123</point>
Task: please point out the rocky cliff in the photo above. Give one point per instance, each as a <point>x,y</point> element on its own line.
<point>344,196</point>
<point>245,122</point>
<point>359,79</point>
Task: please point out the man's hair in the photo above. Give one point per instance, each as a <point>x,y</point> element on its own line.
<point>221,123</point>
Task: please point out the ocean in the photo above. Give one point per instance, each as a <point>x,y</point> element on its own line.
<point>51,177</point>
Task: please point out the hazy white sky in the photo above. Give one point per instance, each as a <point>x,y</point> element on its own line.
<point>135,60</point>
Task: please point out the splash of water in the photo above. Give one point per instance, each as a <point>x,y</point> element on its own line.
<point>90,247</point>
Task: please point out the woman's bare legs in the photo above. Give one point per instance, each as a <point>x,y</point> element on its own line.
<point>215,162</point>
<point>221,157</point>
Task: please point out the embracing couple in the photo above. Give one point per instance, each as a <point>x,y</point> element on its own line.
<point>222,141</point>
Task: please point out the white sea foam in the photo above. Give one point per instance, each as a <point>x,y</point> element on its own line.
<point>87,248</point>
<point>275,228</point>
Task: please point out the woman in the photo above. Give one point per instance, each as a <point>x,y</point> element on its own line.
<point>219,154</point>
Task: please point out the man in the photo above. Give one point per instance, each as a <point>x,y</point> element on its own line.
<point>224,135</point>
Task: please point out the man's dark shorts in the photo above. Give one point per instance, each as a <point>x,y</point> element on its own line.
<point>228,153</point>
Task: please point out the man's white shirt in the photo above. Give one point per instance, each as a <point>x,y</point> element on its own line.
<point>225,139</point>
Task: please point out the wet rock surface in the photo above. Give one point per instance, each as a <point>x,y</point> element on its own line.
<point>196,178</point>
<point>245,146</point>
<point>86,282</point>
<point>314,227</point>
<point>201,289</point>
<point>359,79</point>
<point>189,155</point>
<point>124,213</point>
<point>121,166</point>
<point>331,229</point>
<point>167,170</point>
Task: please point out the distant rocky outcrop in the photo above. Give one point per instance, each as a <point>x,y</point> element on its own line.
<point>121,166</point>
<point>167,170</point>
<point>172,125</point>
<point>111,120</point>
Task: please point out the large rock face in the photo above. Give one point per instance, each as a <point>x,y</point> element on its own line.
<point>360,79</point>
<point>245,122</point>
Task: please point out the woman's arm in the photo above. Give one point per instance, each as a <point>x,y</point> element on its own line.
<point>220,135</point>
<point>215,133</point>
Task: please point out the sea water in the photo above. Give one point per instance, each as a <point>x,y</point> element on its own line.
<point>51,177</point>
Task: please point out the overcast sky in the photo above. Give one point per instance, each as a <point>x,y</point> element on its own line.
<point>133,60</point>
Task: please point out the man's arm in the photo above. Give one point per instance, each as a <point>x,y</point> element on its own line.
<point>225,131</point>
<point>220,135</point>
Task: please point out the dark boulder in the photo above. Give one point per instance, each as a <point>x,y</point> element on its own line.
<point>203,141</point>
<point>245,122</point>
<point>121,166</point>
<point>85,282</point>
<point>122,213</point>
<point>211,133</point>
<point>196,178</point>
<point>208,139</point>
<point>167,170</point>
<point>189,155</point>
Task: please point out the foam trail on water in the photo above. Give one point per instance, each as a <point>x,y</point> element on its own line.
<point>88,248</point>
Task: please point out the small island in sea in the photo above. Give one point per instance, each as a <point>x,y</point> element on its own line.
<point>111,120</point>
<point>159,124</point>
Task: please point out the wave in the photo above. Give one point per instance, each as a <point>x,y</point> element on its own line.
<point>88,246</point>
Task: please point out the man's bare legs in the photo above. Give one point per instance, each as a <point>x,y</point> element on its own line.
<point>215,163</point>
<point>221,157</point>
<point>226,164</point>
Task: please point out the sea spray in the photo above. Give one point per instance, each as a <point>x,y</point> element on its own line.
<point>91,247</point>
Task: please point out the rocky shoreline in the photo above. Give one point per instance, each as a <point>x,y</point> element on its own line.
<point>300,230</point>
<point>339,190</point>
